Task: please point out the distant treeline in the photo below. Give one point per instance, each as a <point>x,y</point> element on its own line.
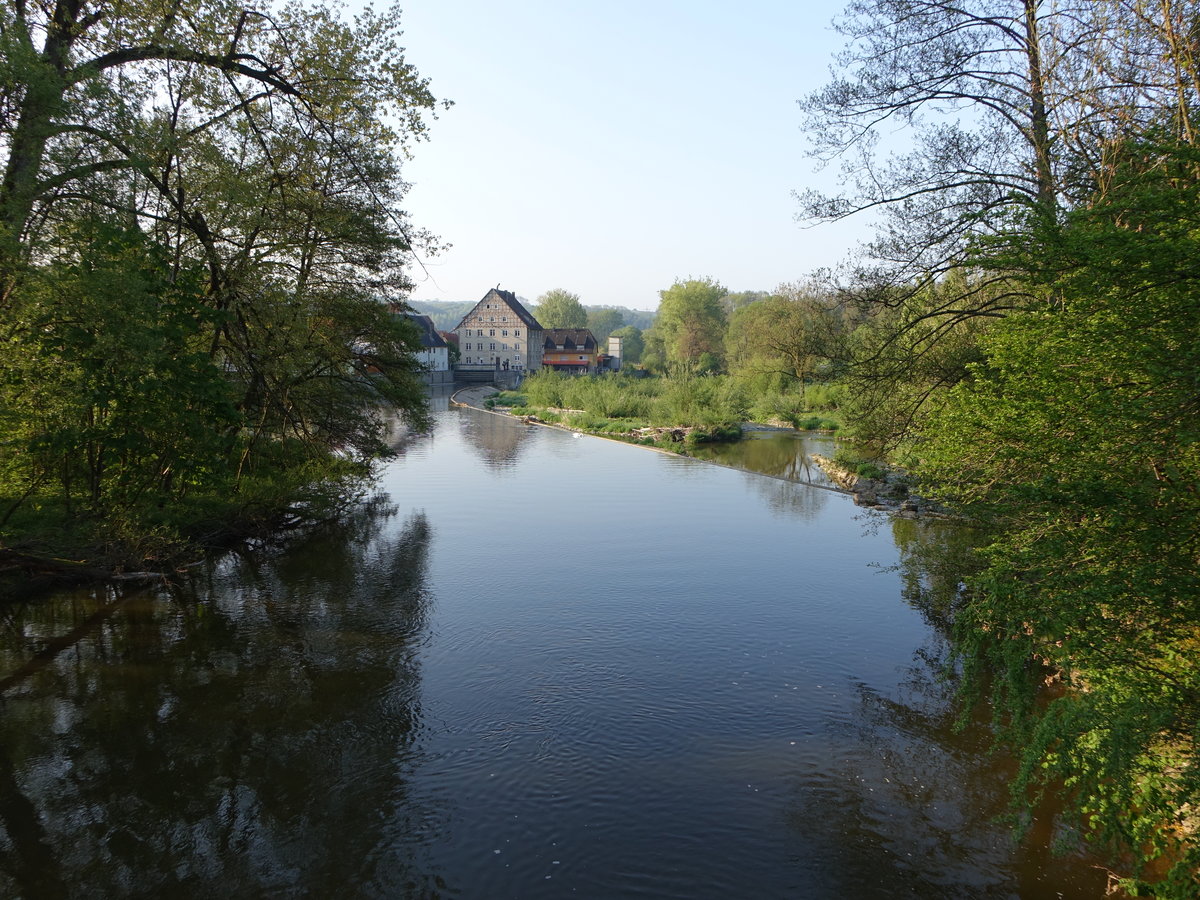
<point>448,313</point>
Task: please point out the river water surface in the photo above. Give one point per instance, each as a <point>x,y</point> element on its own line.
<point>536,666</point>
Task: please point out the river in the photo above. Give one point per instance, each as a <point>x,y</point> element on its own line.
<point>535,665</point>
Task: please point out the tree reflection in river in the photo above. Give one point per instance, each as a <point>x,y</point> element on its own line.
<point>910,790</point>
<point>273,701</point>
<point>787,498</point>
<point>935,559</point>
<point>780,454</point>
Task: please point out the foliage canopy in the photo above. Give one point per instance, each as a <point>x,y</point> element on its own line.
<point>199,233</point>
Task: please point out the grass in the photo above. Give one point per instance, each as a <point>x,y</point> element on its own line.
<point>681,401</point>
<point>711,408</point>
<point>505,398</point>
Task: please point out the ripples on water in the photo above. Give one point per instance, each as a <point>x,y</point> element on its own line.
<point>540,667</point>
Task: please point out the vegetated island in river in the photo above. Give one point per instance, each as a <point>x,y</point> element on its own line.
<point>872,483</point>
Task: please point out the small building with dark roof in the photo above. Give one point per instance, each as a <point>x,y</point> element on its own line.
<point>501,333</point>
<point>572,350</point>
<point>435,352</point>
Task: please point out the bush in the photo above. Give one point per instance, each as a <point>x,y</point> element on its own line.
<point>818,423</point>
<point>505,398</point>
<point>714,434</point>
<point>824,397</point>
<point>860,466</point>
<point>869,470</point>
<point>545,389</point>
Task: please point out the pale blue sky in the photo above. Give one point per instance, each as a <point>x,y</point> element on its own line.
<point>611,147</point>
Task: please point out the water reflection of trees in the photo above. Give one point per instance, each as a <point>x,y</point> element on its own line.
<point>497,439</point>
<point>918,805</point>
<point>251,733</point>
<point>935,557</point>
<point>783,455</point>
<point>788,498</point>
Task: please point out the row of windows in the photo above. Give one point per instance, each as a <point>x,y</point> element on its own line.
<point>492,346</point>
<point>492,332</point>
<point>485,360</point>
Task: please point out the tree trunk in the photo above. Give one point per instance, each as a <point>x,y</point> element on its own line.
<point>1039,126</point>
<point>43,97</point>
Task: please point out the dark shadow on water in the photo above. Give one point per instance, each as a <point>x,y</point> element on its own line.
<point>917,804</point>
<point>917,808</point>
<point>249,734</point>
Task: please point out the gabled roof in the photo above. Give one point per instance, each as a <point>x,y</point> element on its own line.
<point>570,339</point>
<point>496,295</point>
<point>429,333</point>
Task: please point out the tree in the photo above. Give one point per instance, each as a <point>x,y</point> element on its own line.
<point>1076,442</point>
<point>560,309</point>
<point>107,91</point>
<point>691,325</point>
<point>603,322</point>
<point>114,396</point>
<point>970,80</point>
<point>898,362</point>
<point>783,335</point>
<point>251,158</point>
<point>632,344</point>
<point>734,302</point>
<point>1011,110</point>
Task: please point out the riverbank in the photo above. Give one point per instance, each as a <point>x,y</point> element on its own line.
<point>48,546</point>
<point>891,492</point>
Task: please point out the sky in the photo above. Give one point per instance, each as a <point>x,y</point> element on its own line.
<point>612,148</point>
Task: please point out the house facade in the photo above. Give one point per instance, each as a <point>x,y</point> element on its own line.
<point>501,333</point>
<point>570,350</point>
<point>434,353</point>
